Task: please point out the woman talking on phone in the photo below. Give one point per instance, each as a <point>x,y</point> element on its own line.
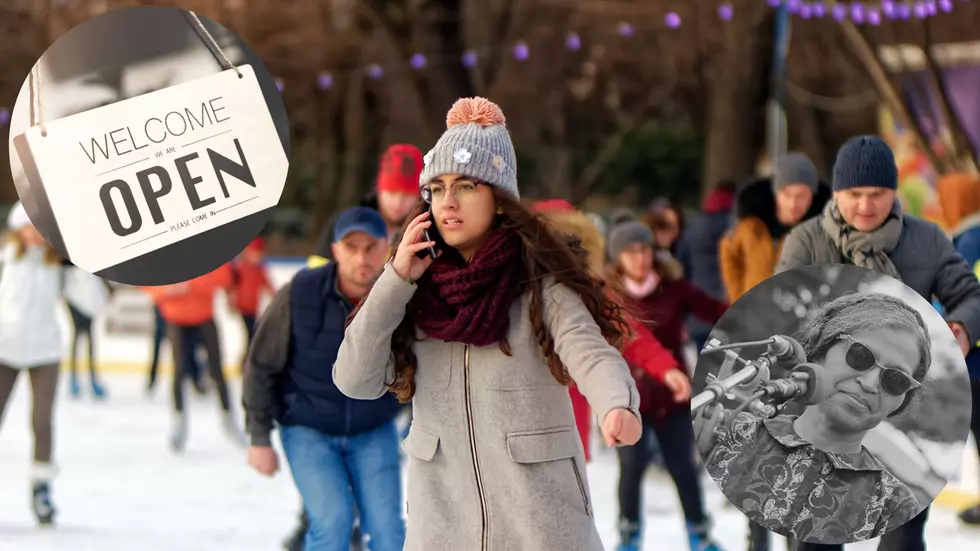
<point>483,324</point>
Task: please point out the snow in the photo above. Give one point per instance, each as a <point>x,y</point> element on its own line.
<point>121,489</point>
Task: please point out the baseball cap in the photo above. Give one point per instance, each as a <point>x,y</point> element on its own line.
<point>362,219</point>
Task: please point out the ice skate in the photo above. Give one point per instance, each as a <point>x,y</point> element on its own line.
<point>700,540</point>
<point>629,536</point>
<point>73,387</point>
<point>97,389</point>
<point>231,429</point>
<point>178,433</point>
<point>41,476</point>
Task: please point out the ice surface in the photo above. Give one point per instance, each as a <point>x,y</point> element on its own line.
<point>121,489</point>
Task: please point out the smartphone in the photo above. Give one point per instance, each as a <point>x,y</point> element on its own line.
<point>430,234</point>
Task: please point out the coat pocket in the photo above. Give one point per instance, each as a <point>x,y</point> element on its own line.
<point>550,445</point>
<point>420,443</point>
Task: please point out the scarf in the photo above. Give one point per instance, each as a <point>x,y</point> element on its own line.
<point>641,289</point>
<point>865,249</point>
<point>470,302</point>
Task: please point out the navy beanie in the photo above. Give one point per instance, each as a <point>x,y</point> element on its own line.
<point>865,161</point>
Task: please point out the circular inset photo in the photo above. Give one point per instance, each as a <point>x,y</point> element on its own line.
<point>831,404</point>
<point>149,145</point>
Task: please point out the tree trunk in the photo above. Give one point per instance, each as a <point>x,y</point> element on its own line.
<point>729,150</point>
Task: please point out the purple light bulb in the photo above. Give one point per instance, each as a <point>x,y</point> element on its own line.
<point>857,13</point>
<point>946,5</point>
<point>806,11</point>
<point>874,17</point>
<point>4,116</point>
<point>775,3</point>
<point>469,58</point>
<point>725,11</point>
<point>521,51</point>
<point>375,72</point>
<point>793,6</point>
<point>840,12</point>
<point>819,9</point>
<point>417,61</point>
<point>903,11</point>
<point>324,81</point>
<point>673,20</point>
<point>920,10</point>
<point>573,42</point>
<point>888,9</point>
<point>624,29</point>
<point>279,84</point>
<point>931,8</point>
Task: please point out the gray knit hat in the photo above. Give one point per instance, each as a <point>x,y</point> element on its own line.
<point>626,234</point>
<point>795,168</point>
<point>475,144</point>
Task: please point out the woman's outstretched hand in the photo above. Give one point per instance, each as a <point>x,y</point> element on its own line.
<point>406,264</point>
<point>621,427</point>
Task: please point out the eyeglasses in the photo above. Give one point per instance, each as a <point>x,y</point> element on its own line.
<point>860,358</point>
<point>461,190</point>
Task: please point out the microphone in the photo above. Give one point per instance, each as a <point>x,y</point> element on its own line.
<point>787,351</point>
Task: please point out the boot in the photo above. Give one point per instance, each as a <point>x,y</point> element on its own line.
<point>629,536</point>
<point>178,431</point>
<point>230,428</point>
<point>73,387</point>
<point>699,539</point>
<point>41,476</point>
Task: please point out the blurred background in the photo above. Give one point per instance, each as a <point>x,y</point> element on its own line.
<point>923,446</point>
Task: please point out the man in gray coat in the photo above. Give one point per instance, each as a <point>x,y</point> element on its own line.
<point>864,225</point>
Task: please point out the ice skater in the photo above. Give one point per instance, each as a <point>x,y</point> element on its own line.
<point>485,338</point>
<point>30,341</point>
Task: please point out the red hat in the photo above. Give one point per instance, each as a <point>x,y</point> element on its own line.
<point>257,245</point>
<point>552,205</point>
<point>401,165</point>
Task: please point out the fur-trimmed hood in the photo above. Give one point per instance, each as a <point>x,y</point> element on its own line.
<point>758,200</point>
<point>575,224</point>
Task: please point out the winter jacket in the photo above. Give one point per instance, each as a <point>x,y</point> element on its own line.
<point>30,295</point>
<point>664,312</point>
<point>959,196</point>
<point>749,251</point>
<point>496,463</point>
<point>289,379</point>
<point>698,251</point>
<point>924,257</point>
<point>194,306</point>
<point>248,281</point>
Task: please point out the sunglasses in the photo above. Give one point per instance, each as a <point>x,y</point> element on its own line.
<point>860,358</point>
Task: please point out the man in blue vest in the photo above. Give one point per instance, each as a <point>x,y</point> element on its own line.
<point>341,451</point>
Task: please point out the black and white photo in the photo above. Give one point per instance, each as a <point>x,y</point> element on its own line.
<point>831,404</point>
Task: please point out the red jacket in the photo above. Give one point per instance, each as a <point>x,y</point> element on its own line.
<point>248,282</point>
<point>195,305</point>
<point>663,313</point>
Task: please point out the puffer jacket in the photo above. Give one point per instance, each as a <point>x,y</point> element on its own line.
<point>748,253</point>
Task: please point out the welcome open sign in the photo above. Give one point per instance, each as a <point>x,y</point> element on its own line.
<point>130,178</point>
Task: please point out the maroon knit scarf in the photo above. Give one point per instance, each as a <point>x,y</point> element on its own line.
<point>470,302</point>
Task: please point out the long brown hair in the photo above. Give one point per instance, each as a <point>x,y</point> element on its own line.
<point>51,256</point>
<point>546,253</point>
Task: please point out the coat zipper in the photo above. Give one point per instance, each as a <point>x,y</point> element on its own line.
<point>485,543</point>
<point>581,488</point>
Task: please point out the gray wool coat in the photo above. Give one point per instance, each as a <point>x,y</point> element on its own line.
<point>496,462</point>
<point>925,258</point>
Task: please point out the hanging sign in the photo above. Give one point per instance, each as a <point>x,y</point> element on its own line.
<point>130,178</point>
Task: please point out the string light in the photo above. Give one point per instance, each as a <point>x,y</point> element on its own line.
<point>4,116</point>
<point>672,20</point>
<point>573,42</point>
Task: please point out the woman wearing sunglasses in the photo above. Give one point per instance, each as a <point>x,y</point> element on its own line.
<point>809,476</point>
<point>484,336</point>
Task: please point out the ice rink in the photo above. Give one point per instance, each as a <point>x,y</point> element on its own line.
<point>121,489</point>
